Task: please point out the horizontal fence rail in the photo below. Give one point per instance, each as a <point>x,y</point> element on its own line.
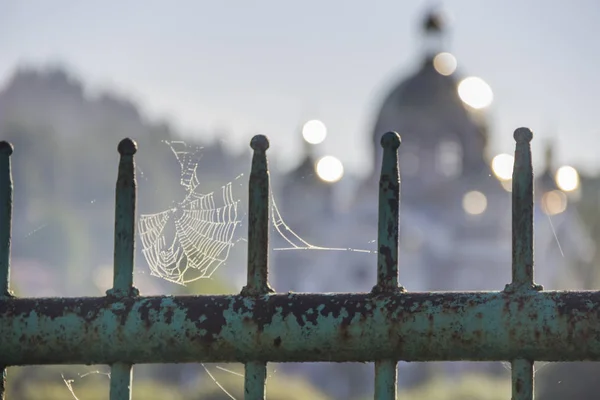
<point>474,326</point>
<point>520,324</point>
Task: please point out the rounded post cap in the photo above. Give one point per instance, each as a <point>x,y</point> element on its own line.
<point>390,140</point>
<point>259,142</point>
<point>127,147</point>
<point>523,135</point>
<point>6,148</point>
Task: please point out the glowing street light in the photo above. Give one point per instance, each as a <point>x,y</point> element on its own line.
<point>474,202</point>
<point>567,178</point>
<point>502,165</point>
<point>330,169</point>
<point>554,202</point>
<point>444,63</point>
<point>475,92</point>
<point>314,131</point>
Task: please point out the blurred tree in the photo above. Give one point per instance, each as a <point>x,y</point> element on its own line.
<point>469,387</point>
<point>279,387</point>
<point>86,383</point>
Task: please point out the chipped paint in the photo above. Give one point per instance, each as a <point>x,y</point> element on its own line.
<point>474,326</point>
<point>521,324</point>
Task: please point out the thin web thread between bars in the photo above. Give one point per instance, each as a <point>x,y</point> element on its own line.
<point>69,382</point>
<point>295,241</point>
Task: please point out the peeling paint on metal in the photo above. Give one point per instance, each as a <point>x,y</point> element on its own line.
<point>317,327</point>
<point>521,324</point>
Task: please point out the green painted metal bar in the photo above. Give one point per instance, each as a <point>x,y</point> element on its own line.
<point>125,202</point>
<point>522,249</point>
<point>442,326</point>
<point>258,220</point>
<point>3,384</point>
<point>255,380</point>
<point>386,379</point>
<point>386,371</point>
<point>120,381</point>
<point>522,379</point>
<point>389,215</point>
<point>6,205</point>
<point>522,214</point>
<point>255,372</point>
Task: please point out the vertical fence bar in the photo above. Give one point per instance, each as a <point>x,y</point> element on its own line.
<point>386,371</point>
<point>255,374</point>
<point>125,202</point>
<point>386,379</point>
<point>6,203</point>
<point>522,212</point>
<point>3,383</point>
<point>522,250</point>
<point>522,379</point>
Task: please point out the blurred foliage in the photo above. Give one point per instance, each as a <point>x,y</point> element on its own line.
<point>37,383</point>
<point>468,387</point>
<point>279,387</point>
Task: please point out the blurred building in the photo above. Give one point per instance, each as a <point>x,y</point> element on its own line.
<point>455,211</point>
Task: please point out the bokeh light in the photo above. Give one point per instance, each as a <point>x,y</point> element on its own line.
<point>507,185</point>
<point>314,131</point>
<point>475,92</point>
<point>330,169</point>
<point>502,165</point>
<point>444,63</point>
<point>554,202</point>
<point>474,202</point>
<point>567,178</point>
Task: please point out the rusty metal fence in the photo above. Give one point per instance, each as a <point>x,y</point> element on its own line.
<point>520,324</point>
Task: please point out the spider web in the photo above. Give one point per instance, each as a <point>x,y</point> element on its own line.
<point>204,230</point>
<point>294,240</point>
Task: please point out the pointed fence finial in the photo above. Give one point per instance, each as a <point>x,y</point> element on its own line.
<point>259,143</point>
<point>127,147</point>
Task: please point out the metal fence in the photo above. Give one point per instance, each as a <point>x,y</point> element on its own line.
<point>520,324</point>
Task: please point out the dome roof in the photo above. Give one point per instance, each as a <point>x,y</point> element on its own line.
<point>427,89</point>
<point>425,98</point>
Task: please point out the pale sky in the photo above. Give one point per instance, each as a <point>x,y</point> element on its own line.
<point>267,66</point>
